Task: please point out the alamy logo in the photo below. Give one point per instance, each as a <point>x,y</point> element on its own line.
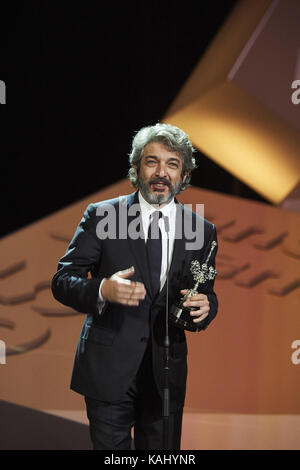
<point>295,97</point>
<point>2,92</point>
<point>126,223</point>
<point>2,352</point>
<point>295,357</point>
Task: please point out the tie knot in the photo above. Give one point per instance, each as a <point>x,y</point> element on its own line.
<point>156,216</point>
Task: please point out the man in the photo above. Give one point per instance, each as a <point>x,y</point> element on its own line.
<point>120,354</point>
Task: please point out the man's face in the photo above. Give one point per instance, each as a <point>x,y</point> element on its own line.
<point>160,174</point>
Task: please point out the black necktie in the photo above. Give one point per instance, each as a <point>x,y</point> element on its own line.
<point>154,251</point>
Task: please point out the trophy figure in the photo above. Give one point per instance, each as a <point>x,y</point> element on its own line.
<point>180,315</point>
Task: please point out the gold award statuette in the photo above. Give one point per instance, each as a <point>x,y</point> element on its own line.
<point>180,315</point>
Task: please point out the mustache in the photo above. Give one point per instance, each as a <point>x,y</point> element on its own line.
<point>160,180</point>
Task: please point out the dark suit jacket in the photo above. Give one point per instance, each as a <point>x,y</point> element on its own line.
<point>111,345</point>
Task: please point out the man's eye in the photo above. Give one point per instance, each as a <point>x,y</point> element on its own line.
<point>151,162</point>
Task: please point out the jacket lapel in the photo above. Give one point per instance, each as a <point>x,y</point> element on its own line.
<point>138,246</point>
<point>178,249</point>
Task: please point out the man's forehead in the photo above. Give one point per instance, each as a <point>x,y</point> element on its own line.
<point>160,149</point>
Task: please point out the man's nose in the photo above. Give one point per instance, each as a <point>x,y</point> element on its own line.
<point>161,171</point>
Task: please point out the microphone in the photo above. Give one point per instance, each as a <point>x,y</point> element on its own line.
<point>166,391</point>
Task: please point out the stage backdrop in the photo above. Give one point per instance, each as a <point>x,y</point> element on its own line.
<point>239,107</point>
<point>246,364</point>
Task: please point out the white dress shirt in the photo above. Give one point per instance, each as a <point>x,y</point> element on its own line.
<point>169,210</point>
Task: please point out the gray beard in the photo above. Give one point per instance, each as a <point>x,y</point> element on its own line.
<point>157,198</point>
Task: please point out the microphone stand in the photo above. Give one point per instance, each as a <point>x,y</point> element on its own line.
<point>166,391</point>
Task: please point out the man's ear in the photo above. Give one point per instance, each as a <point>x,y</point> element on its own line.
<point>186,174</point>
<point>136,170</point>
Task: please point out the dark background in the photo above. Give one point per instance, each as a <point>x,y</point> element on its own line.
<point>81,78</point>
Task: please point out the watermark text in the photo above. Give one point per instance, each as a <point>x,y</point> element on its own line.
<point>122,222</point>
<point>2,92</point>
<point>295,97</point>
<point>295,357</point>
<point>2,352</point>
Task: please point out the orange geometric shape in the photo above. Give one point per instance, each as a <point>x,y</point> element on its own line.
<point>222,106</point>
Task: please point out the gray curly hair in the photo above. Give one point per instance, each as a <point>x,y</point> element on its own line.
<point>173,138</point>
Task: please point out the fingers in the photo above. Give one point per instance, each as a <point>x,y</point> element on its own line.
<point>200,318</point>
<point>123,291</point>
<point>125,273</point>
<point>196,296</point>
<point>200,301</point>
<point>195,303</point>
<point>121,276</point>
<point>133,291</point>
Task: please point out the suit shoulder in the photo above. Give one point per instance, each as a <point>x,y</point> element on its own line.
<point>197,218</point>
<point>93,207</point>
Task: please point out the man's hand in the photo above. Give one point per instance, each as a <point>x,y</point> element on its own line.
<point>198,300</point>
<point>121,290</point>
